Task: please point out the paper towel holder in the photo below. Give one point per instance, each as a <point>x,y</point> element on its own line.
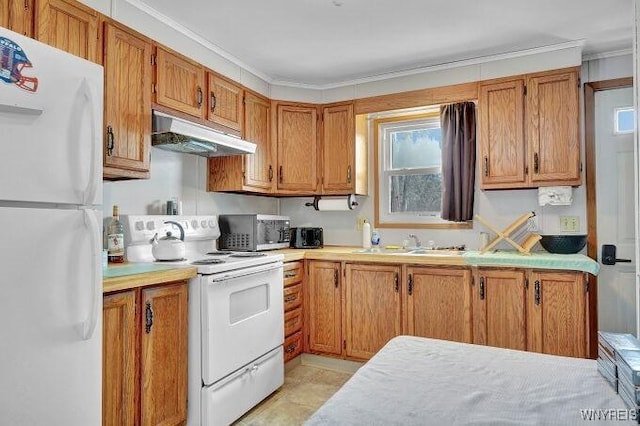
<point>350,201</point>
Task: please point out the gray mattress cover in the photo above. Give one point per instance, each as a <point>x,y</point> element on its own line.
<point>418,381</point>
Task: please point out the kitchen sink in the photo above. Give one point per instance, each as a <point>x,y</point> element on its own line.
<point>411,251</point>
<point>381,250</point>
<point>435,252</point>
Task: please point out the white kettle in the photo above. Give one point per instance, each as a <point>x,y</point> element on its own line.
<point>168,247</point>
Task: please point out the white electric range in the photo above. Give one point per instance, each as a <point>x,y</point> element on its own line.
<point>235,317</point>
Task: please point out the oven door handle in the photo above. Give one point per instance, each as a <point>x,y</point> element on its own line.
<point>244,272</point>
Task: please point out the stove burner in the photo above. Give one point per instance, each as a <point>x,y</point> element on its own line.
<point>218,253</point>
<point>207,261</point>
<point>171,260</point>
<point>248,254</point>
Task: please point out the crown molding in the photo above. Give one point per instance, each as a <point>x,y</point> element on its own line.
<point>609,54</point>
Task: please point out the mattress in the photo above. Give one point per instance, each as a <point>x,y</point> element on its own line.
<point>418,381</point>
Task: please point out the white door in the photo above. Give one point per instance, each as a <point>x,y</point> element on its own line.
<point>50,316</point>
<point>615,211</point>
<point>50,129</point>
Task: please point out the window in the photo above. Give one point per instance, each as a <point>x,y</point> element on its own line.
<point>624,120</point>
<point>409,170</point>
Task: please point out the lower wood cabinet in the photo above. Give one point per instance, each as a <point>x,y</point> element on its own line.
<point>145,356</point>
<point>324,306</point>
<point>437,303</point>
<point>499,308</point>
<point>293,313</point>
<point>372,308</point>
<point>354,309</point>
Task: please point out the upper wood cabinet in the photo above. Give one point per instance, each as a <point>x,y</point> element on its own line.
<point>179,83</point>
<point>127,103</point>
<point>529,130</point>
<point>499,309</point>
<point>372,308</point>
<point>323,304</point>
<point>297,148</point>
<point>437,303</point>
<point>552,128</point>
<point>70,26</point>
<point>249,173</point>
<point>17,15</point>
<point>338,149</point>
<point>225,102</point>
<point>557,313</point>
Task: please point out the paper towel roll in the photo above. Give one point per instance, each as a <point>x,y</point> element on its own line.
<point>335,204</point>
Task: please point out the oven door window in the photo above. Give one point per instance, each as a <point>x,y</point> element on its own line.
<point>248,303</point>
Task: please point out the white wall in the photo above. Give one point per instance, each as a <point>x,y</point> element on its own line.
<point>183,176</point>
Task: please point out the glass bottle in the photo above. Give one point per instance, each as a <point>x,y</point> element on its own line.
<point>115,238</point>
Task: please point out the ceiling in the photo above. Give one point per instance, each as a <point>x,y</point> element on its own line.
<point>327,43</point>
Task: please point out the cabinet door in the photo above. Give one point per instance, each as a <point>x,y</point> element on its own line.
<point>502,147</point>
<point>259,171</point>
<point>297,148</point>
<point>324,307</point>
<point>69,26</point>
<point>17,15</point>
<point>163,355</point>
<point>179,83</point>
<point>438,303</point>
<point>557,314</point>
<point>552,128</point>
<point>499,309</point>
<point>119,359</point>
<point>372,308</point>
<point>225,102</point>
<point>127,103</point>
<point>338,149</point>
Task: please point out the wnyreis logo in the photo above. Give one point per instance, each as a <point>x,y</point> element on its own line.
<point>13,61</point>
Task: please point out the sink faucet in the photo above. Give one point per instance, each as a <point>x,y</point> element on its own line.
<point>415,237</point>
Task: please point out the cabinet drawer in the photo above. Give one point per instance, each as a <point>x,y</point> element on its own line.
<point>292,297</point>
<point>292,346</point>
<point>292,321</point>
<point>292,273</point>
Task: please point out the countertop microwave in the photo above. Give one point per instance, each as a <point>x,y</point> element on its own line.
<point>253,232</point>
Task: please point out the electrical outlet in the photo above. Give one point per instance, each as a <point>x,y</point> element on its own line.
<point>360,220</point>
<point>534,224</point>
<point>570,223</point>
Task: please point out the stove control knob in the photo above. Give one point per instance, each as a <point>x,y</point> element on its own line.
<point>203,223</point>
<point>194,224</point>
<point>139,225</point>
<point>212,224</point>
<point>185,224</point>
<point>151,225</point>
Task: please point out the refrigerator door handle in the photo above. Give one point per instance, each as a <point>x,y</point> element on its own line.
<point>92,186</point>
<point>89,325</point>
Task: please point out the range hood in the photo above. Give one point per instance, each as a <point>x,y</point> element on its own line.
<point>179,135</point>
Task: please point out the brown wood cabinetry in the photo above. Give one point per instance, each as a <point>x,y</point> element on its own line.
<point>324,307</point>
<point>293,311</point>
<point>225,102</point>
<point>179,83</point>
<point>557,306</point>
<point>529,130</point>
<point>297,148</point>
<point>372,308</point>
<point>17,15</point>
<point>248,173</point>
<point>437,303</point>
<point>499,308</point>
<point>338,149</point>
<point>120,390</point>
<point>127,103</point>
<point>70,26</point>
<point>145,356</point>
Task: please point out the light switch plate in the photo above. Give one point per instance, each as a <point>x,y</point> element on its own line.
<point>360,220</point>
<point>570,223</point>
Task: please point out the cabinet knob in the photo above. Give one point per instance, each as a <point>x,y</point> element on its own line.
<point>486,165</point>
<point>280,177</point>
<point>481,288</point>
<point>213,101</point>
<point>110,141</point>
<point>410,284</point>
<point>148,318</point>
<point>536,163</point>
<point>270,173</point>
<point>396,284</point>
<point>199,96</point>
<point>349,174</point>
<point>536,287</point>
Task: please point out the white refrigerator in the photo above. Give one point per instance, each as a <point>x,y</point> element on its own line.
<point>50,235</point>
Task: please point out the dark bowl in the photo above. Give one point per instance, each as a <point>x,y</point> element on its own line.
<point>563,244</point>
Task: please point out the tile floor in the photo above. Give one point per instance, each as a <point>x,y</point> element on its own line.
<point>305,389</point>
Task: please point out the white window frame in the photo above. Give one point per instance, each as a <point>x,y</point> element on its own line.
<point>616,111</point>
<point>385,217</point>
